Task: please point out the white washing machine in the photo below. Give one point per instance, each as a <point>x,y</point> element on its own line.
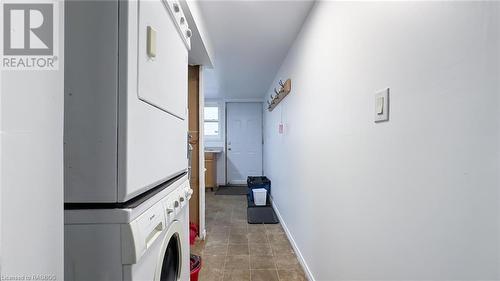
<point>125,104</point>
<point>148,241</point>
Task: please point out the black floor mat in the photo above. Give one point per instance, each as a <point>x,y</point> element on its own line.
<point>262,215</point>
<point>232,190</point>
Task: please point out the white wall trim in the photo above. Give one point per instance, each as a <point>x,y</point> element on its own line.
<point>1,178</point>
<point>201,138</point>
<point>226,100</point>
<point>295,247</point>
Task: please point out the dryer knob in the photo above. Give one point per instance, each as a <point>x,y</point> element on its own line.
<point>169,211</point>
<point>181,199</point>
<point>189,33</point>
<point>176,204</point>
<point>176,7</point>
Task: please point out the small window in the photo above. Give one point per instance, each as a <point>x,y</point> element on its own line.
<point>212,124</point>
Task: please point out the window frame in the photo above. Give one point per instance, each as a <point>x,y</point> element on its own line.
<point>219,121</point>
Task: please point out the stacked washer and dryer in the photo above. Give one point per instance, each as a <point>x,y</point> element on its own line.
<point>126,151</point>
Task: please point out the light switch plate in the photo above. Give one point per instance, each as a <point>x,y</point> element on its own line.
<point>382,105</point>
<point>151,44</point>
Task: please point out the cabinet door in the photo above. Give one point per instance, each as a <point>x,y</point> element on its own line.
<point>162,77</point>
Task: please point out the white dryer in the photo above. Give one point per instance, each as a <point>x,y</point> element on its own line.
<point>148,241</point>
<point>125,99</point>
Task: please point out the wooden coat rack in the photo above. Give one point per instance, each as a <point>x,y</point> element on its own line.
<point>280,93</point>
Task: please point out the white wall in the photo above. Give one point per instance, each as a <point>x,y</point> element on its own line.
<point>413,198</point>
<point>32,170</point>
<point>201,52</point>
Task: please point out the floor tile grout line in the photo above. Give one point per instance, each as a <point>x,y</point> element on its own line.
<point>221,220</point>
<point>225,259</point>
<point>275,264</point>
<point>249,256</point>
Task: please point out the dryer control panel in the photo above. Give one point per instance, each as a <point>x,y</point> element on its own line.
<point>177,200</point>
<point>174,7</point>
<point>142,232</point>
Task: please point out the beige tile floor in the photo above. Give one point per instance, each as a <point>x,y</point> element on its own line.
<point>237,251</point>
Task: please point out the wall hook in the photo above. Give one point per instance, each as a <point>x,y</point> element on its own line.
<point>281,92</point>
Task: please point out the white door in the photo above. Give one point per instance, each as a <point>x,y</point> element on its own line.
<point>243,141</point>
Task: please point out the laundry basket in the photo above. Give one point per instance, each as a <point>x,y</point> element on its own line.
<point>259,196</point>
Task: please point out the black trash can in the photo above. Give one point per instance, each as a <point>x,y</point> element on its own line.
<point>258,182</point>
<point>260,214</point>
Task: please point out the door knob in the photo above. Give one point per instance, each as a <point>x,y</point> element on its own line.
<point>229,149</point>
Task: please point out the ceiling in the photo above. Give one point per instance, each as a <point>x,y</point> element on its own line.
<point>250,40</point>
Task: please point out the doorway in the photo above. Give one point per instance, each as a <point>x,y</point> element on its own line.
<point>194,141</point>
<point>243,141</point>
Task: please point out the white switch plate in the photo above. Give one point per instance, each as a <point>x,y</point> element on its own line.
<point>382,105</point>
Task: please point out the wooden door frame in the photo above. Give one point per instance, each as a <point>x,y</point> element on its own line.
<point>195,128</point>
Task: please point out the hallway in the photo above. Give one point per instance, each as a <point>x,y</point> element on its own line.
<point>237,251</point>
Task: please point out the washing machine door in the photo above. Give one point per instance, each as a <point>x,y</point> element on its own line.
<point>170,260</point>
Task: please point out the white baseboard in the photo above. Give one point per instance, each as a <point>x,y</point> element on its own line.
<point>301,259</point>
<point>203,234</point>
